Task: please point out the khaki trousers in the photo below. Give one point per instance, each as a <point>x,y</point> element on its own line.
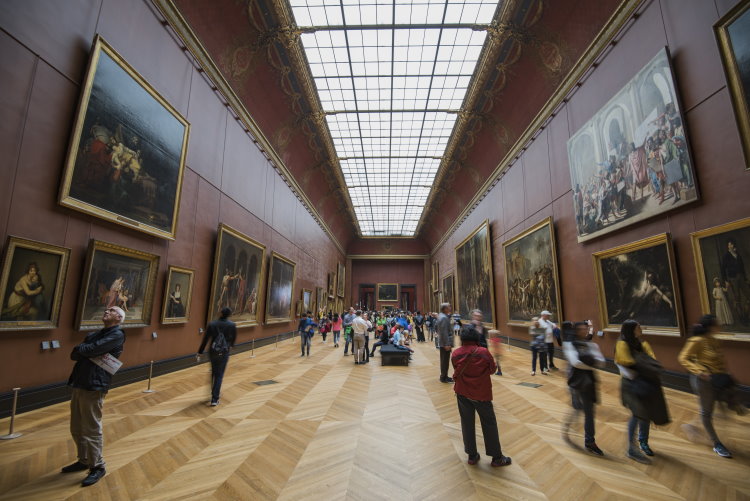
<point>86,425</point>
<point>359,347</point>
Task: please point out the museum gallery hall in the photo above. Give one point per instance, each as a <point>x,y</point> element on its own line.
<point>375,249</point>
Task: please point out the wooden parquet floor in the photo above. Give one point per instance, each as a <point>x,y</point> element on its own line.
<point>331,430</point>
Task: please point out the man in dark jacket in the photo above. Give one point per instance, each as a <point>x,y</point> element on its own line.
<point>218,355</point>
<point>90,384</point>
<point>445,340</point>
<point>419,327</point>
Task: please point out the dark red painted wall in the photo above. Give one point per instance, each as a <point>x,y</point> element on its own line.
<point>401,271</point>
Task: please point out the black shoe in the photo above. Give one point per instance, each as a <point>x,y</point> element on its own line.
<point>71,468</point>
<point>594,449</point>
<point>95,474</point>
<point>645,448</point>
<point>447,380</point>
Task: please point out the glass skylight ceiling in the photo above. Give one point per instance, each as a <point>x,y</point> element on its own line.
<point>391,75</point>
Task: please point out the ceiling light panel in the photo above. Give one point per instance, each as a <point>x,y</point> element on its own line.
<point>391,77</point>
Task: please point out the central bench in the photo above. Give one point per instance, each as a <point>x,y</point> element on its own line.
<point>390,355</point>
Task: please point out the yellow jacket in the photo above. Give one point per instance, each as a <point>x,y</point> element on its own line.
<point>623,355</point>
<point>702,354</point>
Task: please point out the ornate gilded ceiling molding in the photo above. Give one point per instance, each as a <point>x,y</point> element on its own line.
<point>192,43</point>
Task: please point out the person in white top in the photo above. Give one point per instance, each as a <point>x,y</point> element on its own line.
<point>360,325</point>
<point>549,337</point>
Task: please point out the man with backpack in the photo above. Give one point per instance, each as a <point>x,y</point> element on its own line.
<point>306,329</point>
<point>220,337</point>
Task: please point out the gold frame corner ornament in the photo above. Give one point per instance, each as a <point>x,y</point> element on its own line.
<point>489,268</point>
<point>279,320</point>
<point>645,243</point>
<point>177,320</point>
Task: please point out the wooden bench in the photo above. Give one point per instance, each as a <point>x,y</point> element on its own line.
<point>390,355</point>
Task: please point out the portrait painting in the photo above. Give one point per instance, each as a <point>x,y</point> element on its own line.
<point>117,276</point>
<point>447,290</point>
<point>722,261</point>
<point>237,277</point>
<point>475,287</point>
<point>631,160</point>
<point>177,295</point>
<point>307,300</point>
<point>531,278</point>
<point>387,292</point>
<point>340,282</point>
<point>32,284</point>
<point>127,153</point>
<point>280,289</point>
<point>332,284</point>
<point>637,281</point>
<point>436,275</point>
<point>733,34</point>
<point>321,300</point>
<point>339,305</point>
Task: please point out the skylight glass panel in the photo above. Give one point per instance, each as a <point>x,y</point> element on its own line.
<point>391,93</point>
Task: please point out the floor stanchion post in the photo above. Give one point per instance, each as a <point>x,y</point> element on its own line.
<point>11,434</point>
<point>150,374</point>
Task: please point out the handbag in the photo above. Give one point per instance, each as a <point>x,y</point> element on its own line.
<point>722,381</point>
<point>647,367</point>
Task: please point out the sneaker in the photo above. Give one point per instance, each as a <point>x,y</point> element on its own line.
<point>95,474</point>
<point>448,380</point>
<point>594,449</point>
<point>71,468</point>
<point>214,403</point>
<point>636,455</point>
<point>501,461</point>
<point>499,373</point>
<point>722,451</point>
<point>474,459</point>
<point>545,372</point>
<point>533,373</point>
<point>645,448</point>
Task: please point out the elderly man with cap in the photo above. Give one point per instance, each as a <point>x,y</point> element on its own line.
<point>90,384</point>
<point>549,337</point>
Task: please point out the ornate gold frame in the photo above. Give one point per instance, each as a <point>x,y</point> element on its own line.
<point>377,293</point>
<point>656,240</point>
<point>339,305</point>
<point>167,288</point>
<point>310,304</point>
<point>99,46</point>
<point>10,250</point>
<point>320,300</point>
<point>278,320</point>
<point>340,280</point>
<point>695,238</point>
<point>739,100</point>
<point>331,285</point>
<point>487,266</point>
<point>148,298</point>
<point>222,230</point>
<point>556,273</point>
<point>436,276</point>
<point>451,300</point>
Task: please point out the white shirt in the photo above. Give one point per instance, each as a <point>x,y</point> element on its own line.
<point>360,325</point>
<point>547,325</point>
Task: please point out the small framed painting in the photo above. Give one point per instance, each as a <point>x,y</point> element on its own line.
<point>177,296</point>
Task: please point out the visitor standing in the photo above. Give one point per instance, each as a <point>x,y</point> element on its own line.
<point>219,336</point>
<point>496,349</point>
<point>336,326</point>
<point>549,337</point>
<point>538,347</point>
<point>444,335</point>
<point>360,324</point>
<point>348,319</point>
<point>419,326</point>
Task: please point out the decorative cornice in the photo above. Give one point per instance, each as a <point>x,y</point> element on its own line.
<point>206,64</point>
<point>606,35</point>
<point>390,257</point>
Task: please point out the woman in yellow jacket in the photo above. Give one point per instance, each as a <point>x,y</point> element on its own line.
<point>641,388</point>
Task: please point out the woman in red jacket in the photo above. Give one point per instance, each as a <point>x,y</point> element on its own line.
<point>473,367</point>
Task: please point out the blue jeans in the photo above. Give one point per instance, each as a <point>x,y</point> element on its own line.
<point>305,341</point>
<point>643,428</point>
<point>218,366</point>
<point>336,336</point>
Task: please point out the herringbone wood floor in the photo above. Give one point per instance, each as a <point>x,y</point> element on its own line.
<point>332,430</point>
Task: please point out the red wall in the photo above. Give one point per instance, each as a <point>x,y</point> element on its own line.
<point>400,271</point>
<point>538,184</point>
<point>44,46</point>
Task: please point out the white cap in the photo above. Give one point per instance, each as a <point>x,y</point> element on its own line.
<point>545,312</point>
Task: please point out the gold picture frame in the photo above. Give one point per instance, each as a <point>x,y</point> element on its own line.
<point>307,300</point>
<point>340,305</point>
<point>321,301</point>
<point>531,255</point>
<point>436,276</point>
<point>340,280</point>
<point>176,306</point>
<point>448,291</point>
<point>237,277</point>
<point>710,252</point>
<point>280,289</point>
<point>387,293</point>
<point>468,264</point>
<point>630,283</point>
<point>37,304</point>
<point>332,285</point>
<point>131,133</point>
<point>735,23</point>
<point>120,276</point>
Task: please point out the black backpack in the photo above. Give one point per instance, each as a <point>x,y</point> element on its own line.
<point>219,345</point>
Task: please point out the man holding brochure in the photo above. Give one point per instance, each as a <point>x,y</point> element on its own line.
<point>96,361</point>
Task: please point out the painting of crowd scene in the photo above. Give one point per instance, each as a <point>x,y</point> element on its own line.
<point>722,256</point>
<point>280,289</point>
<point>474,282</point>
<point>127,157</point>
<point>238,276</point>
<point>531,274</point>
<point>631,160</point>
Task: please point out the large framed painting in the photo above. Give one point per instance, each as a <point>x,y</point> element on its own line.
<point>436,275</point>
<point>340,305</point>
<point>340,275</point>
<point>448,290</point>
<point>237,277</point>
<point>177,296</point>
<point>531,277</point>
<point>430,297</point>
<point>307,300</point>
<point>722,261</point>
<point>127,152</point>
<point>631,160</point>
<point>32,284</point>
<point>387,292</point>
<point>475,286</point>
<point>637,281</point>
<point>321,301</point>
<point>280,289</point>
<point>117,276</point>
<point>332,284</point>
<point>733,34</point>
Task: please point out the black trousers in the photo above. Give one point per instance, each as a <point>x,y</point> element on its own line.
<point>467,409</point>
<point>420,334</point>
<point>445,361</point>
<point>218,366</point>
<point>367,348</point>
<point>374,346</point>
<point>551,354</point>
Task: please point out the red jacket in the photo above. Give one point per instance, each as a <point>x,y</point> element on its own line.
<point>473,366</point>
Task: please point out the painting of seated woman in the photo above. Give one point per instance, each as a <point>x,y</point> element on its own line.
<point>177,296</point>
